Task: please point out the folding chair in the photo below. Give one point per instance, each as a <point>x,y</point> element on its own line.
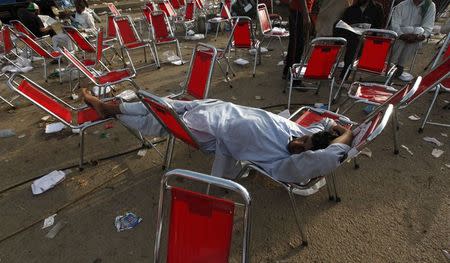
<point>177,4</point>
<point>373,56</point>
<point>130,40</point>
<point>368,131</point>
<point>172,123</point>
<point>266,27</point>
<point>223,17</point>
<point>200,72</point>
<point>188,19</point>
<point>75,118</point>
<point>168,9</point>
<point>200,228</point>
<point>162,32</point>
<point>6,49</point>
<point>323,56</point>
<point>102,80</point>
<point>111,34</point>
<point>113,9</point>
<point>21,28</point>
<point>43,53</point>
<point>243,37</point>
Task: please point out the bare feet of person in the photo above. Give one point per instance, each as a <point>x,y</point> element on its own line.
<point>93,101</point>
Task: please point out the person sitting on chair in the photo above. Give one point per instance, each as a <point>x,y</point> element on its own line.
<point>285,150</point>
<point>83,20</point>
<point>413,20</point>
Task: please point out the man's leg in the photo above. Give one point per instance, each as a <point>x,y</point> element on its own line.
<point>396,54</point>
<point>407,54</point>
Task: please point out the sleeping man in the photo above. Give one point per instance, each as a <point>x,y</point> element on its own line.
<point>287,151</point>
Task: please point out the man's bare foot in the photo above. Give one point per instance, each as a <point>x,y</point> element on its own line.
<point>93,102</point>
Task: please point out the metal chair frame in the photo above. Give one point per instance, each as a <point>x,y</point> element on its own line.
<point>210,180</point>
<point>266,32</point>
<point>7,46</point>
<point>224,15</point>
<point>168,39</point>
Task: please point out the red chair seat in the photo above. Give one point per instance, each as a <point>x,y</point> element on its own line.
<point>88,62</point>
<point>114,76</point>
<point>373,93</point>
<point>281,34</point>
<point>165,40</point>
<point>135,45</point>
<point>55,54</point>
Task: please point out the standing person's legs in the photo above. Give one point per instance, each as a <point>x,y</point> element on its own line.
<point>407,54</point>
<point>295,47</point>
<point>350,51</point>
<point>397,54</point>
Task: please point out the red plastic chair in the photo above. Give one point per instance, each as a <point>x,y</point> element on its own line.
<point>223,18</point>
<point>265,25</point>
<point>101,80</point>
<point>6,49</point>
<point>168,9</point>
<point>130,40</point>
<point>170,120</point>
<point>43,53</point>
<point>162,32</point>
<point>21,28</point>
<point>177,4</point>
<point>243,37</point>
<point>199,74</point>
<point>200,227</point>
<point>188,19</point>
<point>375,49</point>
<point>319,65</point>
<point>113,9</point>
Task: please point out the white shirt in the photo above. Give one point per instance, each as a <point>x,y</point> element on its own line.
<point>86,21</point>
<point>407,18</point>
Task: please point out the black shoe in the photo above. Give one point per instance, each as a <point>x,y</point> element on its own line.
<point>398,72</point>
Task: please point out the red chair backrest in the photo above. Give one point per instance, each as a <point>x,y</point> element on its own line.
<point>322,60</point>
<point>5,40</point>
<point>34,45</point>
<point>225,11</point>
<point>199,4</point>
<point>22,28</point>
<point>146,11</point>
<point>99,45</point>
<point>167,8</point>
<point>200,73</point>
<point>242,34</point>
<point>79,40</point>
<point>113,9</point>
<point>160,25</point>
<point>264,19</point>
<point>37,96</point>
<point>375,54</point>
<point>189,12</point>
<point>126,31</point>
<point>176,4</point>
<point>110,27</point>
<point>151,6</point>
<point>171,121</point>
<point>310,116</point>
<point>369,127</point>
<point>200,227</point>
<point>77,63</point>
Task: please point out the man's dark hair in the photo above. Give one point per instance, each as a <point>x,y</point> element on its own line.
<point>322,139</point>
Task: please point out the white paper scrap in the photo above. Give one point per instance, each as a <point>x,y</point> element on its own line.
<point>407,149</point>
<point>281,63</point>
<point>241,61</point>
<point>47,182</point>
<point>437,153</point>
<point>414,117</point>
<point>49,221</point>
<point>54,127</point>
<point>142,152</point>
<point>433,140</point>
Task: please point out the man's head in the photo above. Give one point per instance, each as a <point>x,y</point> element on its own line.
<point>317,141</point>
<point>80,6</point>
<point>34,8</point>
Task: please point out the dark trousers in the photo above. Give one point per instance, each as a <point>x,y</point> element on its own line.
<point>296,40</point>
<point>352,45</point>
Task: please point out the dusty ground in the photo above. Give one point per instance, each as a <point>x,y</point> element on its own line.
<point>395,208</point>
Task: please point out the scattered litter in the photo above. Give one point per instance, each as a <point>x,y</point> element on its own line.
<point>278,30</point>
<point>284,53</point>
<point>437,153</point>
<point>127,221</point>
<point>76,131</point>
<point>241,61</point>
<point>21,136</point>
<point>104,135</point>
<point>281,63</point>
<point>127,95</point>
<point>47,182</point>
<point>108,125</point>
<point>233,98</point>
<point>54,127</point>
<point>258,98</point>
<point>444,135</point>
<point>285,114</point>
<point>97,91</point>
<point>142,152</point>
<point>67,171</point>
<point>321,106</point>
<point>367,152</point>
<point>74,96</point>
<point>433,140</point>
<point>49,221</point>
<point>7,133</point>
<point>414,117</point>
<point>253,50</point>
<point>190,32</point>
<point>195,37</point>
<point>407,149</point>
<point>446,254</point>
<point>447,165</point>
<point>45,118</point>
<point>55,230</point>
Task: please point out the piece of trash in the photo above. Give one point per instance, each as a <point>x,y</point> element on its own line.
<point>97,91</point>
<point>285,114</point>
<point>447,165</point>
<point>45,118</point>
<point>321,106</point>
<point>407,149</point>
<point>367,152</point>
<point>444,135</point>
<point>76,131</point>
<point>55,230</point>
<point>108,125</point>
<point>368,109</point>
<point>47,182</point>
<point>127,95</point>
<point>253,50</point>
<point>433,140</point>
<point>21,136</point>
<point>49,221</point>
<point>195,37</point>
<point>258,98</point>
<point>142,152</point>
<point>104,135</point>
<point>414,117</point>
<point>127,221</point>
<point>281,63</point>
<point>74,96</point>
<point>67,171</point>
<point>446,254</point>
<point>7,133</point>
<point>233,98</point>
<point>437,153</point>
<point>241,61</point>
<point>190,32</point>
<point>54,127</point>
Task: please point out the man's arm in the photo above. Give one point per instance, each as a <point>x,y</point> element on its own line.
<point>345,135</point>
<point>428,20</point>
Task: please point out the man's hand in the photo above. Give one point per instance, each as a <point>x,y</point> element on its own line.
<point>339,129</point>
<point>408,38</point>
<point>345,135</point>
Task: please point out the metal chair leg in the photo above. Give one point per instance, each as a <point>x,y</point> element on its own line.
<point>297,221</point>
<point>395,131</point>
<point>169,152</point>
<point>80,166</point>
<point>328,183</point>
<point>436,93</point>
<point>333,179</point>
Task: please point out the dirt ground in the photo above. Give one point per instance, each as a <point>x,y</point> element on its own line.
<point>395,208</point>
